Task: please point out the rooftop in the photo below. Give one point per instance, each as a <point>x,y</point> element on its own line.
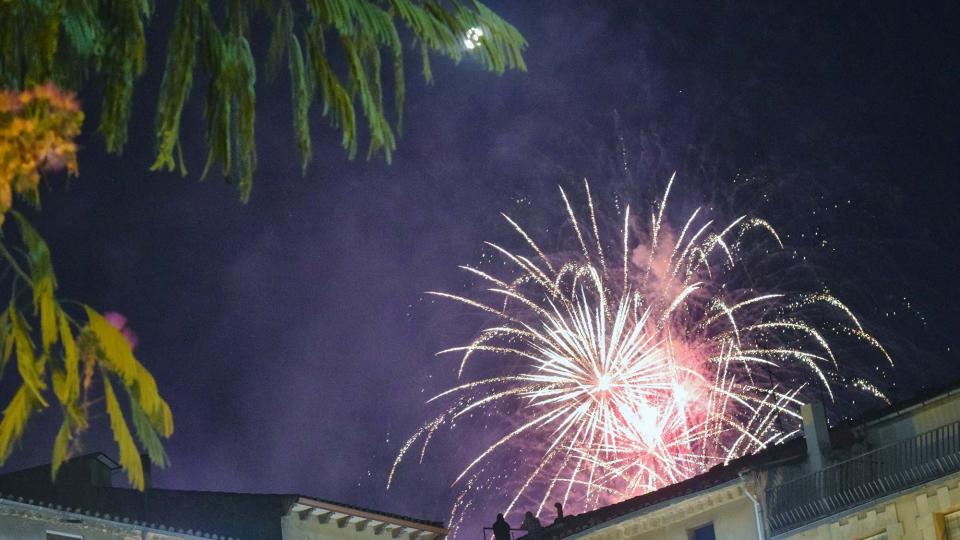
<point>841,435</point>
<point>715,477</point>
<point>83,487</point>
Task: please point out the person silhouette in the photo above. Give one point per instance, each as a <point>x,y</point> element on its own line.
<point>532,525</point>
<point>559,508</point>
<point>501,529</point>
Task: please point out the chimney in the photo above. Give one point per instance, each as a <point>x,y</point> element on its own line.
<point>816,433</point>
<point>147,466</point>
<point>94,470</point>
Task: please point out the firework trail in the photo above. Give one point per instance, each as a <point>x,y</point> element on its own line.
<point>639,365</point>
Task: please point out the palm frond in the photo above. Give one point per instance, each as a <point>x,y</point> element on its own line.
<point>104,40</point>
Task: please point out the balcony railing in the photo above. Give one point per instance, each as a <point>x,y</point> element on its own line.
<point>866,477</point>
<point>514,533</point>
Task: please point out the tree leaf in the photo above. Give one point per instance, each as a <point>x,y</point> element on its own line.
<point>61,447</point>
<point>83,30</point>
<point>104,44</point>
<point>129,456</point>
<point>119,356</point>
<point>71,357</point>
<point>40,263</point>
<point>60,387</point>
<point>119,359</point>
<point>245,97</point>
<point>161,419</point>
<point>66,377</point>
<point>177,82</point>
<point>282,30</point>
<point>6,335</point>
<point>28,365</point>
<point>15,418</point>
<point>336,100</point>
<point>123,59</point>
<point>44,283</point>
<point>301,102</point>
<point>48,314</point>
<point>148,436</point>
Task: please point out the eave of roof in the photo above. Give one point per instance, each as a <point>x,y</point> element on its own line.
<point>343,515</point>
<point>83,515</point>
<point>217,514</point>
<point>387,517</point>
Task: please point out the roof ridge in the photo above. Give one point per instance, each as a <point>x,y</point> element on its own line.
<point>723,472</point>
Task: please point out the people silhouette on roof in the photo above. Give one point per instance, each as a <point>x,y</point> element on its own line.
<point>501,529</point>
<point>532,525</point>
<point>559,508</point>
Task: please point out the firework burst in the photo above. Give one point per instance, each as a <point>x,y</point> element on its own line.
<point>641,369</point>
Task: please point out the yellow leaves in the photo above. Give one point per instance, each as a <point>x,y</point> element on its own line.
<point>57,349</point>
<point>117,354</point>
<point>61,447</point>
<point>61,388</point>
<point>164,422</point>
<point>71,361</point>
<point>66,378</point>
<point>14,421</point>
<point>48,313</point>
<point>142,387</point>
<point>129,456</point>
<point>37,131</point>
<point>30,367</point>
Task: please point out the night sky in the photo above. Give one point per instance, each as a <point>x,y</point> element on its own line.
<point>291,335</point>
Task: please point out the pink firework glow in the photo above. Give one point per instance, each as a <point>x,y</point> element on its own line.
<point>638,361</point>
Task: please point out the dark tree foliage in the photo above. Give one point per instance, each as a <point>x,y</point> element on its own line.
<point>76,42</point>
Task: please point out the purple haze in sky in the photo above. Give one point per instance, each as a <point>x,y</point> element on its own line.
<point>291,336</point>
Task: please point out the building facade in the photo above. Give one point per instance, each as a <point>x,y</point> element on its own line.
<point>895,475</point>
<point>83,505</point>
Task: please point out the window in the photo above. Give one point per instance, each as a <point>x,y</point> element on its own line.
<point>951,526</point>
<point>703,533</point>
<point>878,536</point>
<point>62,536</point>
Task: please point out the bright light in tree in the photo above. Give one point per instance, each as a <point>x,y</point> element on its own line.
<point>472,39</point>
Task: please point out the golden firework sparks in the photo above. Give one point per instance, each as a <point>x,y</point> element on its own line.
<point>636,375</point>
